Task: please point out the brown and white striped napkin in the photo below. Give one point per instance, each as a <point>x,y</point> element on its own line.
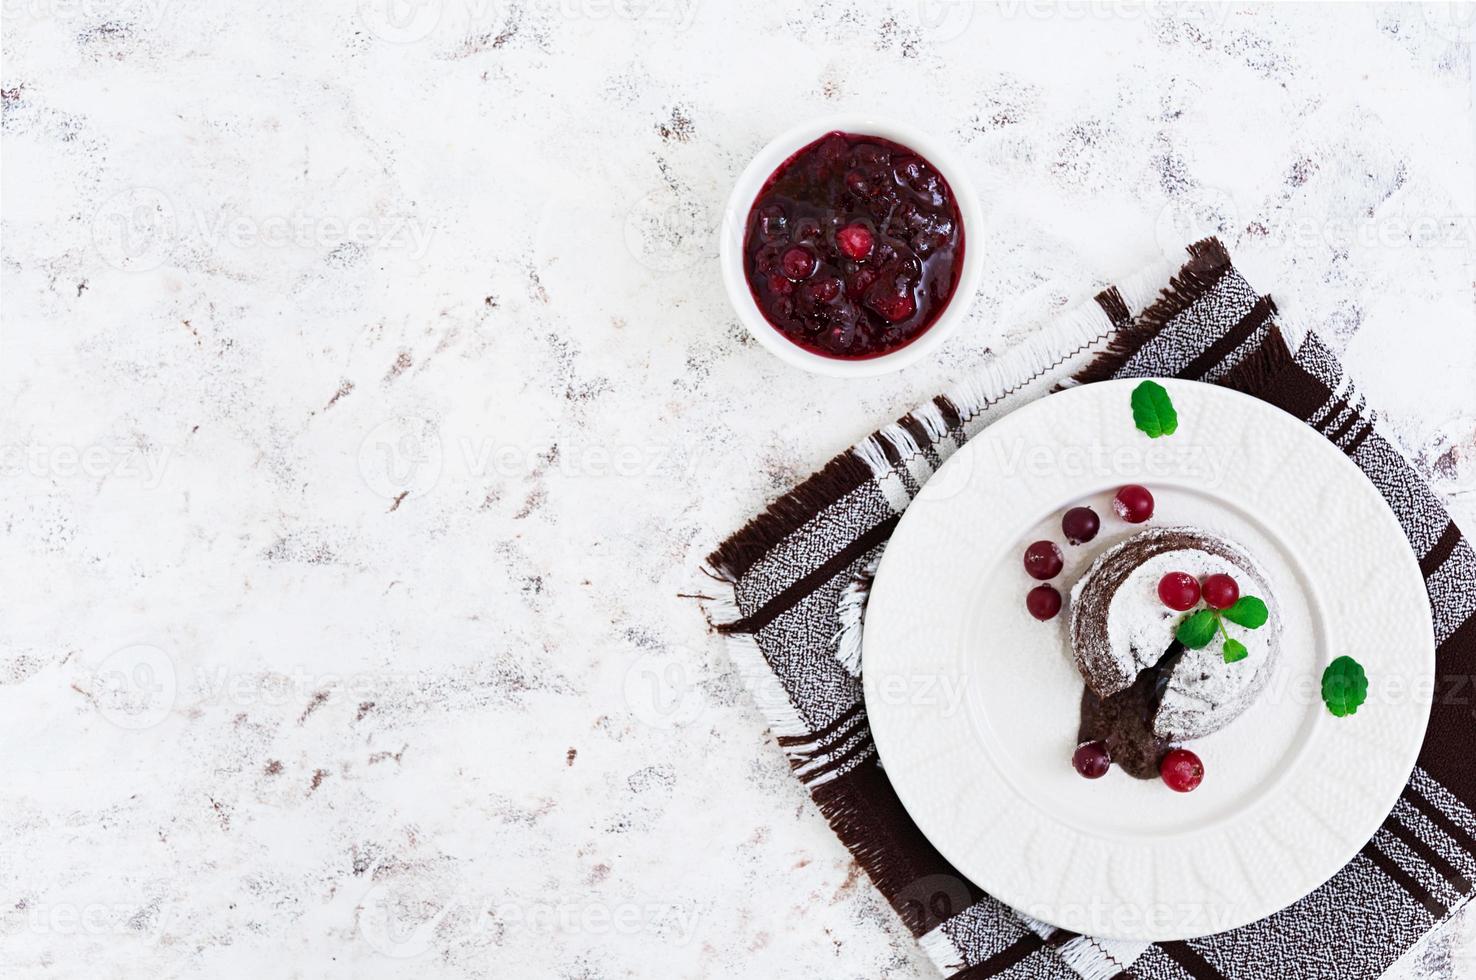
<point>799,574</point>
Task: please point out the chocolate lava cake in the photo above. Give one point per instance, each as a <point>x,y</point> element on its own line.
<point>1144,690</point>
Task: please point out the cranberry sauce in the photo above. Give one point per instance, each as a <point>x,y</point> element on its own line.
<point>1125,720</point>
<point>854,246</point>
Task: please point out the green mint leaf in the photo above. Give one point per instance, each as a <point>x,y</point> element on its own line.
<point>1153,412</point>
<point>1235,650</point>
<point>1197,629</point>
<point>1344,686</point>
<point>1249,612</point>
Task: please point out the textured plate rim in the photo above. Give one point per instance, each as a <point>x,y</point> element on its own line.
<point>884,717</point>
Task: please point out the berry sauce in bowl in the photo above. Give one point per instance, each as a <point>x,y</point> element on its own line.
<point>844,246</point>
<point>853,246</point>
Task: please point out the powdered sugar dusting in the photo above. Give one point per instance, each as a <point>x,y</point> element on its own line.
<point>1204,693</point>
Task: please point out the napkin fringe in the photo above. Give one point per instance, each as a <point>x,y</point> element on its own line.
<point>773,702</point>
<point>1208,263</point>
<point>876,455</point>
<point>941,950</point>
<point>735,556</point>
<point>850,611</point>
<point>848,806</point>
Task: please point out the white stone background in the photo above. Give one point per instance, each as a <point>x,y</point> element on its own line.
<point>259,719</point>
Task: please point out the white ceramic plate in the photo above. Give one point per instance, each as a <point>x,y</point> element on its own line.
<point>974,704</point>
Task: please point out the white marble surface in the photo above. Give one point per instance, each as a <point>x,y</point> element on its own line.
<point>264,716</point>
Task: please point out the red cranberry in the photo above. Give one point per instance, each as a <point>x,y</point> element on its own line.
<point>854,241</point>
<point>841,337</point>
<point>797,263</point>
<point>1091,759</point>
<point>1181,770</point>
<point>780,285</point>
<point>1220,591</point>
<point>823,289</point>
<point>1043,560</point>
<point>1044,602</point>
<point>1080,525</point>
<point>893,307</point>
<point>1178,590</point>
<point>896,247</point>
<point>1133,503</point>
<point>861,280</point>
<point>806,230</point>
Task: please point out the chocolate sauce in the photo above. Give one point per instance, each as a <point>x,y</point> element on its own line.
<point>1125,720</point>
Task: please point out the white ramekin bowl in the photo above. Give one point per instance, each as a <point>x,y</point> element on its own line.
<point>735,222</point>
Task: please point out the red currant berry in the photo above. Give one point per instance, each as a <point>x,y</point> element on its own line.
<point>1178,590</point>
<point>1043,560</point>
<point>854,242</point>
<point>893,307</point>
<point>797,263</point>
<point>1133,504</point>
<point>1044,602</point>
<point>824,289</point>
<point>1220,591</point>
<point>1181,770</point>
<point>1080,525</point>
<point>1091,759</point>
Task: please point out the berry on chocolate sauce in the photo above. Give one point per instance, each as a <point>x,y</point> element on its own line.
<point>870,214</point>
<point>1043,602</point>
<point>1181,770</point>
<point>1220,591</point>
<point>1043,560</point>
<point>1133,503</point>
<point>1091,759</point>
<point>1080,525</point>
<point>1179,591</point>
